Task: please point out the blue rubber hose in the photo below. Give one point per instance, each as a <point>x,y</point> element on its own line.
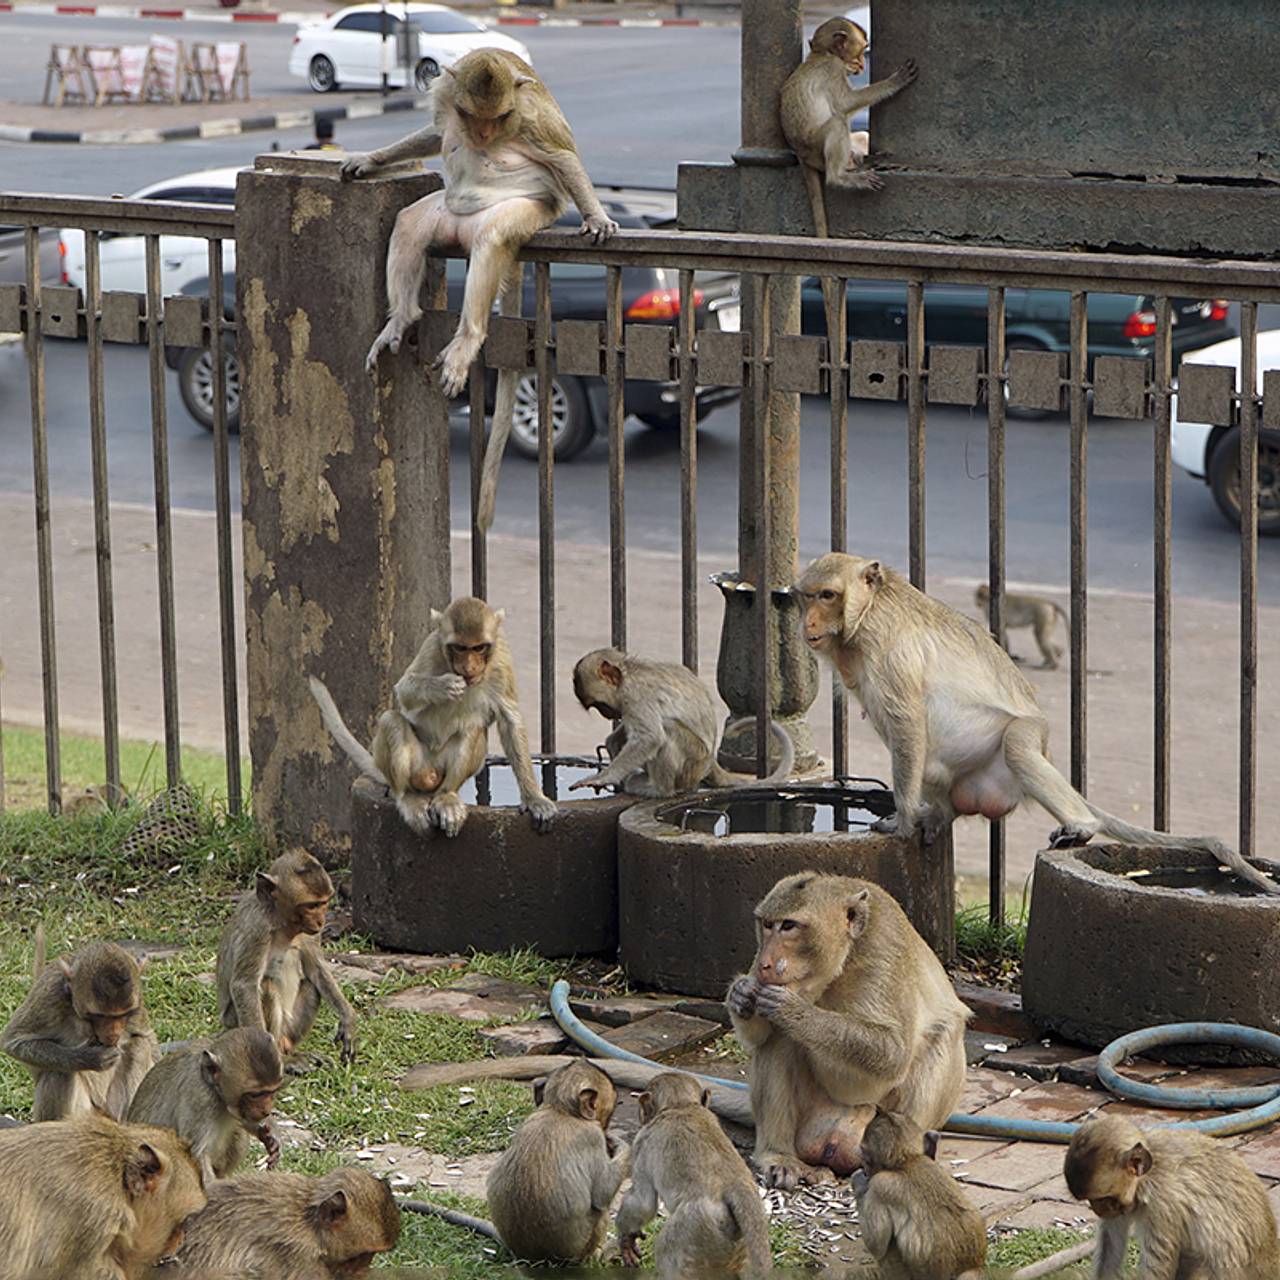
<point>1262,1104</point>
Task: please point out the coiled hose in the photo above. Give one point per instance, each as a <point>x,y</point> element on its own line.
<point>1262,1105</point>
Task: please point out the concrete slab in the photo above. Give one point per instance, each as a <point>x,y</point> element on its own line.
<point>474,998</point>
<point>1017,1167</point>
<point>1048,1102</point>
<point>664,1035</point>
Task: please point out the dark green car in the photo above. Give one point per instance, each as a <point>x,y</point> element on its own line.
<point>1120,324</point>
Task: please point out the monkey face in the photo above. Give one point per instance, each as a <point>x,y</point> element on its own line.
<point>823,615</point>
<point>781,959</point>
<point>1105,1164</point>
<point>309,916</point>
<point>470,661</point>
<point>107,1028</point>
<point>255,1107</point>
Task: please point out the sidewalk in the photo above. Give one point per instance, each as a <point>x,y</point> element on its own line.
<point>1205,674</point>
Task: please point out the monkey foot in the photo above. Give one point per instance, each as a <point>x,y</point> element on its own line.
<point>454,363</point>
<point>1067,837</point>
<point>448,815</point>
<point>542,811</point>
<point>788,1172</point>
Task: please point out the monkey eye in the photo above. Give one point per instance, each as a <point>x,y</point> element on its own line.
<point>787,926</point>
<point>826,595</point>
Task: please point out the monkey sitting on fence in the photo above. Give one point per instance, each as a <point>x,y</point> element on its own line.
<point>665,740</point>
<point>435,737</point>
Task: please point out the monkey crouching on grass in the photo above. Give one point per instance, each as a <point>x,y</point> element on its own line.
<point>511,167</point>
<point>1198,1210</point>
<point>286,1226</point>
<point>90,1199</point>
<point>715,1222</point>
<point>665,740</point>
<point>215,1094</point>
<point>461,682</point>
<point>962,724</point>
<point>1038,612</point>
<point>83,1033</point>
<point>271,971</point>
<point>845,1009</point>
<point>916,1221</point>
<point>549,1194</point>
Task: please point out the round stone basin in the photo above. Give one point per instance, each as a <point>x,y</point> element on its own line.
<point>498,884</point>
<point>690,872</point>
<point>1122,938</point>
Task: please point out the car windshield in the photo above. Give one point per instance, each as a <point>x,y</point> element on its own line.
<point>195,195</point>
<point>446,24</point>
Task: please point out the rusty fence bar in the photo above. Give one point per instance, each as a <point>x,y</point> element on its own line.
<point>915,431</point>
<point>614,379</point>
<point>1162,585</point>
<point>1248,803</point>
<point>688,475</point>
<point>761,285</point>
<point>476,434</point>
<point>546,521</point>
<point>995,355</point>
<point>1079,508</point>
<point>835,294</point>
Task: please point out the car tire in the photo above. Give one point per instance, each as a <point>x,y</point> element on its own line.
<point>571,422</point>
<point>195,386</point>
<point>1027,415</point>
<point>424,74</point>
<point>322,75</point>
<point>1224,479</point>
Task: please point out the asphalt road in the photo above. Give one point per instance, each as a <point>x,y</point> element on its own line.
<point>1205,549</point>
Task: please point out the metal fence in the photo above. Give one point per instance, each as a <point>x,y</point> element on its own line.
<point>760,359</point>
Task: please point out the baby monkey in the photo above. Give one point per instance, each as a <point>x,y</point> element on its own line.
<point>1038,612</point>
<point>716,1221</point>
<point>817,101</point>
<point>665,740</point>
<point>915,1219</point>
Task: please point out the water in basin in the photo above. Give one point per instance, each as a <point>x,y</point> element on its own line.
<point>1201,882</point>
<point>784,810</point>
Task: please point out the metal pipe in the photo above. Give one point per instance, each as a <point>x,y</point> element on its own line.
<point>1162,554</point>
<point>996,853</point>
<point>688,474</point>
<point>1079,510</point>
<point>1248,576</point>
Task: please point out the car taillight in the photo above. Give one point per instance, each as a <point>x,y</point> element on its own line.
<point>1140,324</point>
<point>1218,309</point>
<point>62,261</point>
<point>659,304</point>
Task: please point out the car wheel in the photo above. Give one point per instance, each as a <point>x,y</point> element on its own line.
<point>195,385</point>
<point>1224,479</point>
<point>425,72</point>
<point>660,421</point>
<point>321,75</point>
<point>571,424</point>
<point>1029,415</point>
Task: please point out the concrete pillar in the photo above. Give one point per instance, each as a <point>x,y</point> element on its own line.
<point>345,482</point>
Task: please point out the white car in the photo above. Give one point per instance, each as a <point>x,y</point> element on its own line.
<point>123,258</point>
<point>1212,453</point>
<point>347,49</point>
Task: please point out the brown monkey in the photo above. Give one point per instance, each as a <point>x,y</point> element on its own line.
<point>511,167</point>
<point>665,741</point>
<point>960,720</point>
<point>549,1194</point>
<point>271,971</point>
<point>1038,612</point>
<point>817,101</point>
<point>845,1009</point>
<point>90,1199</point>
<point>681,1156</point>
<point>435,737</point>
<point>83,1033</point>
<point>287,1226</point>
<point>1199,1211</point>
<point>215,1094</point>
<point>916,1221</point>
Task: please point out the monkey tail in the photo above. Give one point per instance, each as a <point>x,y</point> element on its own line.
<point>481,1226</point>
<point>744,1208</point>
<point>343,736</point>
<point>504,406</point>
<point>719,777</point>
<point>817,199</point>
<point>38,963</point>
<point>1144,838</point>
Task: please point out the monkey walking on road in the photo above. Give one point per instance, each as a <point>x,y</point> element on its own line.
<point>1038,612</point>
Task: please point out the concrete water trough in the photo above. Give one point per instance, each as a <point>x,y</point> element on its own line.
<point>1122,938</point>
<point>498,883</point>
<point>691,870</point>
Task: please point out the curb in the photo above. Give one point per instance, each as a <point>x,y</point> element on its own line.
<point>298,18</point>
<point>224,128</point>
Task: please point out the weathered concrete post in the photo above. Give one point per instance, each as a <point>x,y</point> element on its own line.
<point>771,48</point>
<point>345,482</point>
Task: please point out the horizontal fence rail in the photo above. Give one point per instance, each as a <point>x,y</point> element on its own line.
<point>759,359</point>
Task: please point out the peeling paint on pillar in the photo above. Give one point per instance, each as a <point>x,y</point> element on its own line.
<point>345,481</point>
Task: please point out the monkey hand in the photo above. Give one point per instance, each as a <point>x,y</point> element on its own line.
<point>541,810</point>
<point>95,1057</point>
<point>599,226</point>
<point>357,167</point>
<point>629,1249</point>
<point>775,1002</point>
<point>741,998</point>
<point>598,783</point>
<point>266,1136</point>
<point>453,687</point>
<point>448,813</point>
<point>906,73</point>
<point>859,1182</point>
<point>346,1037</point>
<point>285,1044</point>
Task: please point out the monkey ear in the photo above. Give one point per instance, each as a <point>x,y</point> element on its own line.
<point>1137,1160</point>
<point>452,74</point>
<point>65,965</point>
<point>142,1170</point>
<point>539,1088</point>
<point>931,1143</point>
<point>588,1103</point>
<point>331,1210</point>
<point>142,961</point>
<point>873,575</point>
<point>611,672</point>
<point>523,79</point>
<point>499,614</point>
<point>265,886</point>
<point>646,1107</point>
<point>858,911</point>
<point>436,615</point>
<point>706,1098</point>
<point>210,1067</point>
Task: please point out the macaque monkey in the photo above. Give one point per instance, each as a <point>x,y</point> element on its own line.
<point>90,1199</point>
<point>916,1221</point>
<point>435,737</point>
<point>1022,610</point>
<point>215,1094</point>
<point>716,1222</point>
<point>1199,1211</point>
<point>817,101</point>
<point>286,1226</point>
<point>549,1194</point>
<point>511,167</point>
<point>83,1033</point>
<point>961,722</point>
<point>845,1010</point>
<point>665,741</point>
<point>271,971</point>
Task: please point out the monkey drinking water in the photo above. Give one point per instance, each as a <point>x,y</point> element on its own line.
<point>511,168</point>
<point>961,722</point>
<point>665,740</point>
